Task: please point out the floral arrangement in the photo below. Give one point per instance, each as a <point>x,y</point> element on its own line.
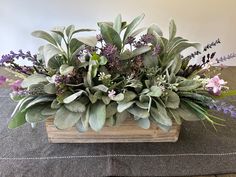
<point>121,73</point>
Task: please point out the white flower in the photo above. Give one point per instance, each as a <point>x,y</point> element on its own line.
<point>111,94</point>
<point>103,76</point>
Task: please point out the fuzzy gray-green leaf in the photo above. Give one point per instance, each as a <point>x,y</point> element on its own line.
<point>130,28</point>
<point>139,112</point>
<point>172,100</point>
<point>155,91</point>
<point>44,35</point>
<point>172,29</point>
<point>111,36</point>
<point>33,79</point>
<point>188,85</point>
<point>76,106</point>
<point>144,123</point>
<point>66,119</point>
<point>97,116</point>
<point>72,97</point>
<point>34,115</point>
<point>160,115</point>
<point>122,106</point>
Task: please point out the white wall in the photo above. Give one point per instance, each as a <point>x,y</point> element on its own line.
<point>197,20</point>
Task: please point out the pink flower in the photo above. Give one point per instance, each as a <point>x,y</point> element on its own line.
<point>215,85</point>
<point>16,86</point>
<point>3,79</point>
<point>111,93</point>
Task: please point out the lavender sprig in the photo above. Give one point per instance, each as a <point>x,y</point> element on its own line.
<point>224,58</point>
<point>207,47</point>
<point>224,107</point>
<point>8,60</point>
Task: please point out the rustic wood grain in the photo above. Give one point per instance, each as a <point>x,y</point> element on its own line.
<point>206,176</point>
<point>126,132</point>
<point>226,175</point>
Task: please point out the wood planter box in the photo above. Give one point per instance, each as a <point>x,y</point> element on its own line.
<point>126,133</point>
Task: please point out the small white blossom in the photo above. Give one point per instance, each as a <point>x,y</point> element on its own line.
<point>111,94</point>
<point>204,81</point>
<point>103,76</point>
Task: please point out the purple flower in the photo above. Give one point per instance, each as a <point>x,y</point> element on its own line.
<point>16,86</point>
<point>8,58</point>
<point>138,44</point>
<point>3,79</point>
<point>130,40</point>
<point>147,38</point>
<point>110,51</point>
<point>156,50</point>
<point>225,58</point>
<point>21,93</point>
<point>60,79</point>
<point>223,107</point>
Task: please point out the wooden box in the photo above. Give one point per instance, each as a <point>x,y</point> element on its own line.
<point>128,132</point>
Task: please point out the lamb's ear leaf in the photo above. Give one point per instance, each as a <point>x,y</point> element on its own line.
<point>111,36</point>
<point>117,24</point>
<point>33,114</point>
<point>50,88</point>
<point>173,100</point>
<point>49,52</point>
<point>80,127</point>
<point>90,40</point>
<point>122,106</point>
<point>72,97</point>
<point>156,29</point>
<point>188,85</point>
<point>18,117</point>
<point>160,116</point>
<point>172,29</point>
<point>66,119</point>
<point>97,115</point>
<point>69,30</point>
<point>17,120</point>
<point>33,79</point>
<point>130,28</point>
<point>44,35</point>
<point>155,91</point>
<point>111,109</point>
<point>121,117</point>
<point>76,106</point>
<point>118,97</point>
<point>144,123</point>
<point>48,111</point>
<point>139,112</point>
<point>85,118</point>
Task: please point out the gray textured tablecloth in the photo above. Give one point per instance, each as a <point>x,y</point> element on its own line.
<point>199,151</point>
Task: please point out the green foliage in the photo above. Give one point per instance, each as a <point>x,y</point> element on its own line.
<point>172,100</point>
<point>138,112</point>
<point>144,123</point>
<point>130,28</point>
<point>97,116</point>
<point>33,115</point>
<point>111,36</point>
<point>72,97</point>
<point>66,119</point>
<point>33,79</point>
<point>87,81</point>
<point>44,35</point>
<point>188,85</point>
<point>122,106</point>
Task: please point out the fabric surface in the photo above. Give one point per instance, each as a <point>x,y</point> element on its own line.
<point>25,152</point>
